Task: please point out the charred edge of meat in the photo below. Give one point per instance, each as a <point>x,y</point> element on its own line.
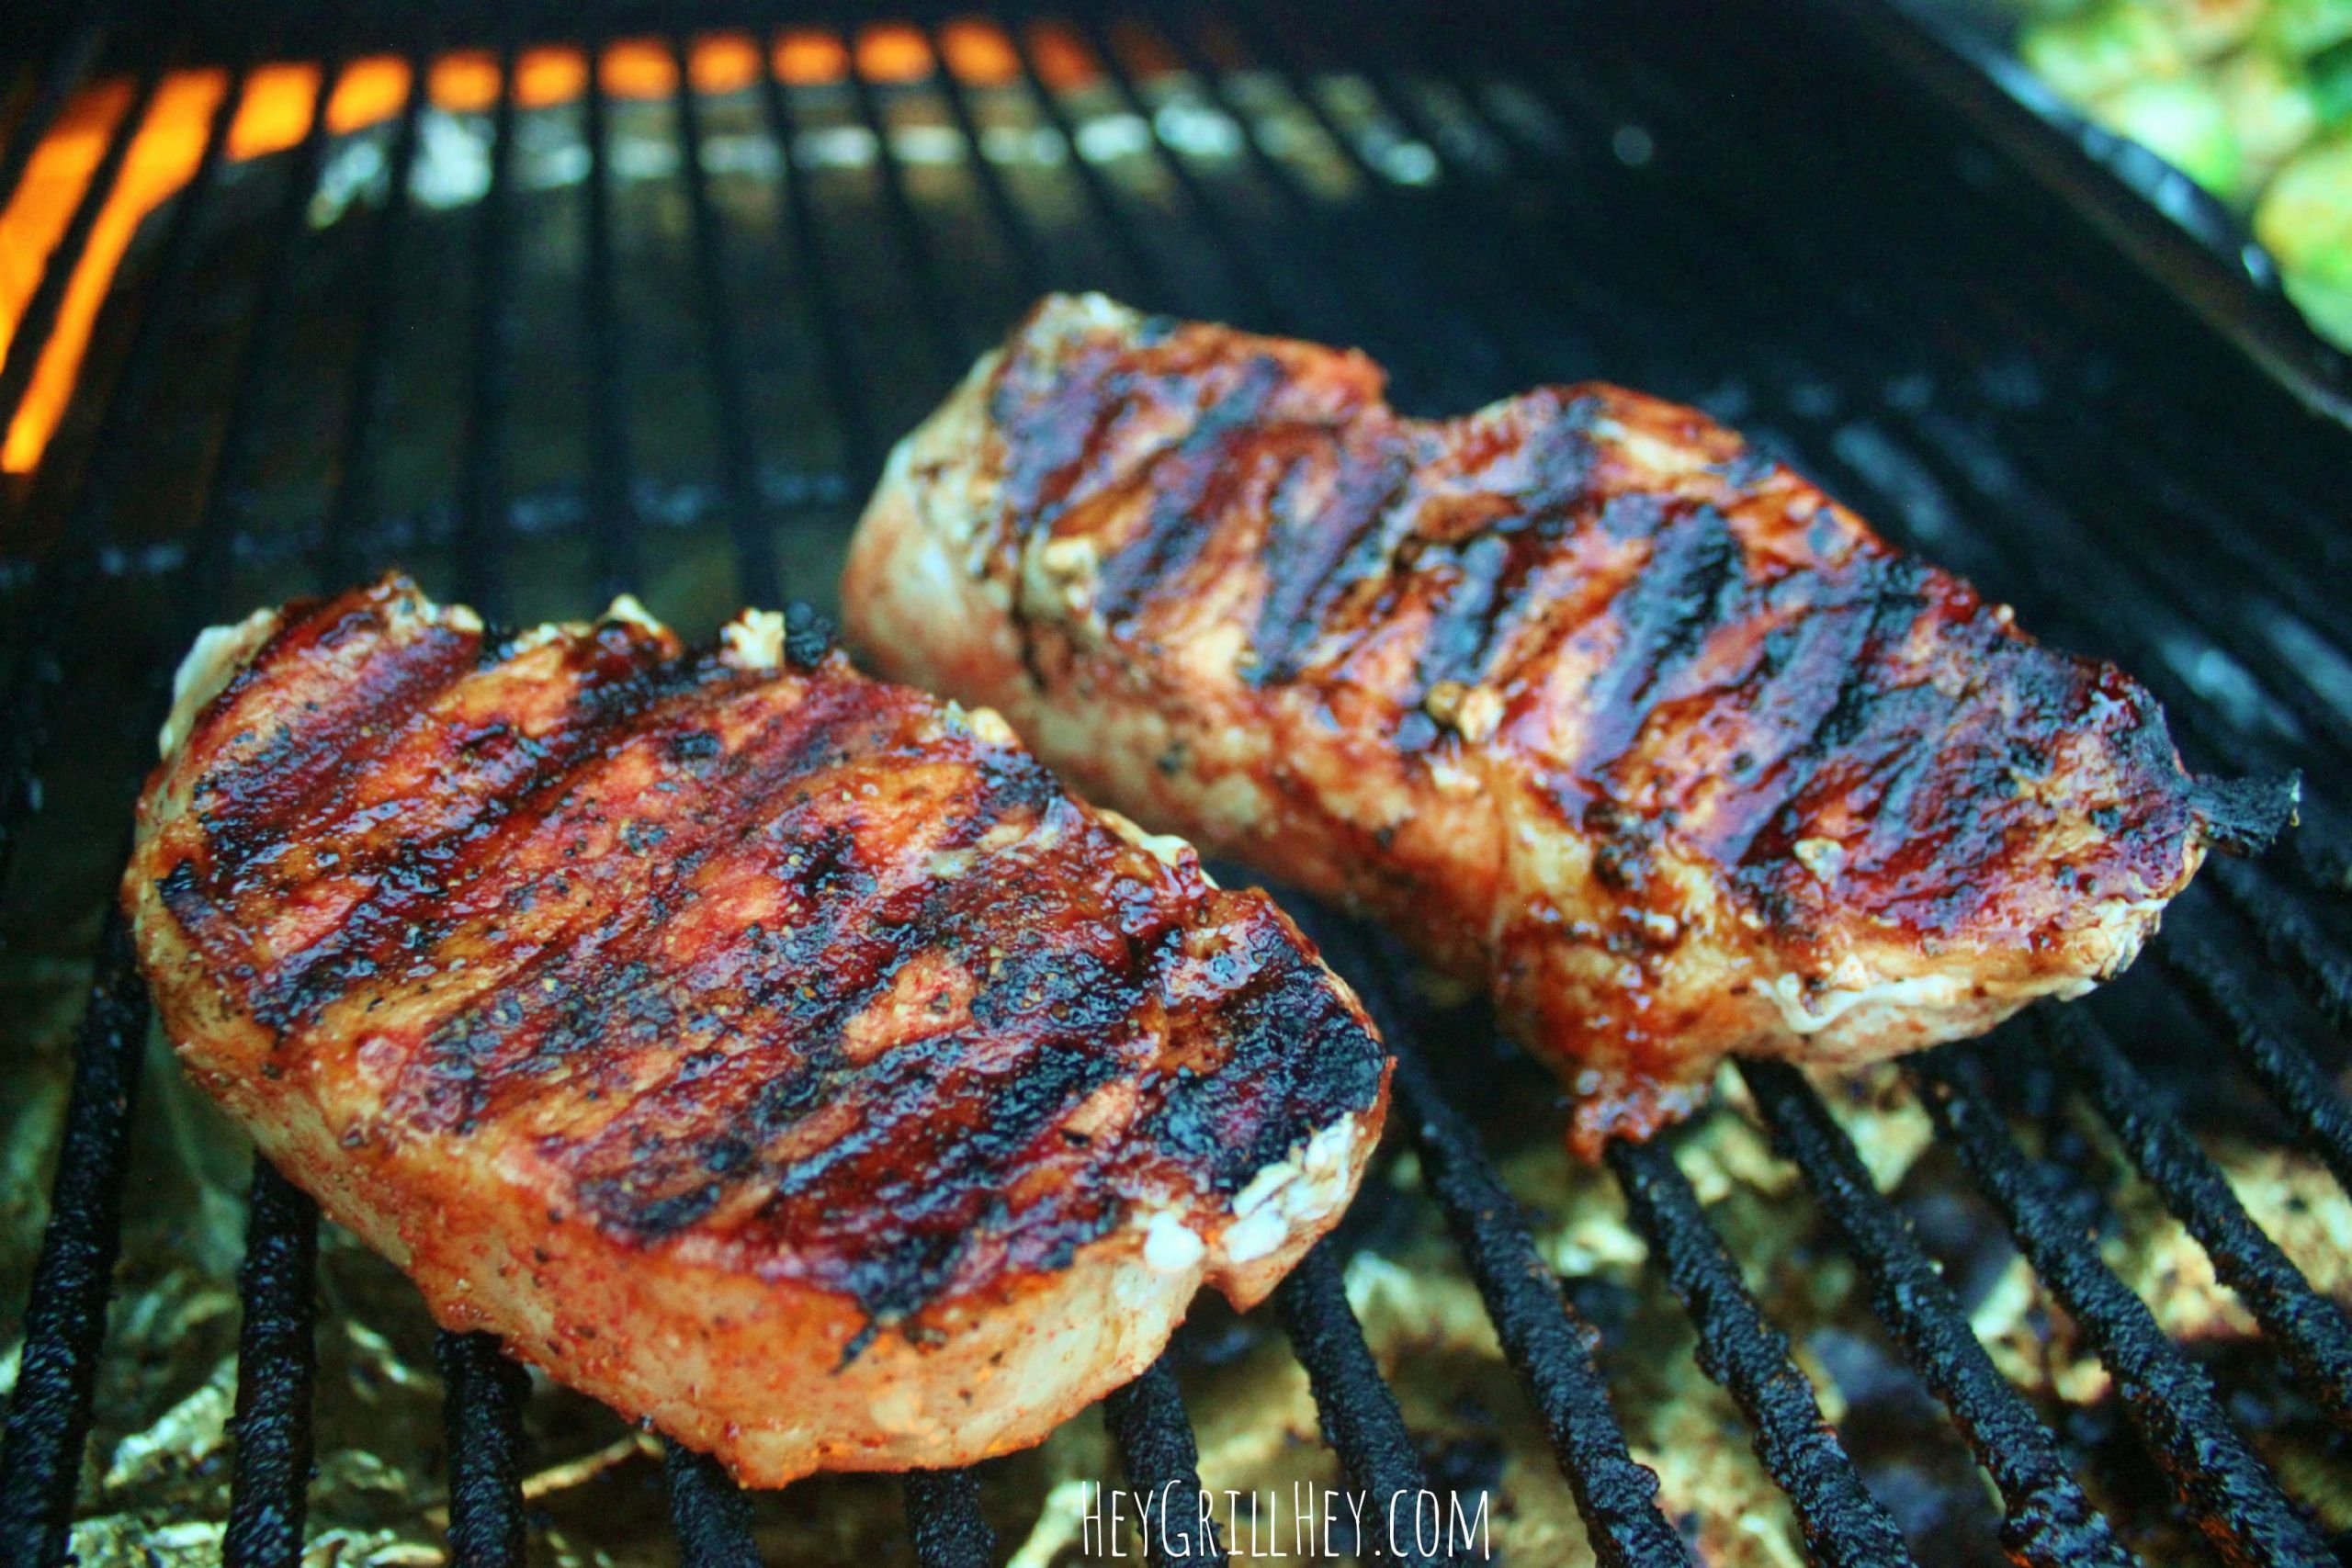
<point>807,635</point>
<point>2245,817</point>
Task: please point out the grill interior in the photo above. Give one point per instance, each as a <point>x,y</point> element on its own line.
<point>541,334</point>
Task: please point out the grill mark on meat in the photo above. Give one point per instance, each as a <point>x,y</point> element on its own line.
<point>1808,672</point>
<point>805,987</point>
<point>1282,1032</point>
<point>1309,562</point>
<point>412,899</point>
<point>1692,583</point>
<point>453,1077</point>
<point>285,777</point>
<point>1480,574</point>
<point>1183,482</point>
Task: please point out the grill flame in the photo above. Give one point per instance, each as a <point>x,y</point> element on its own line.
<point>274,114</point>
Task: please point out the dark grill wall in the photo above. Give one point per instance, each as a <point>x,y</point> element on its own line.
<point>679,378</point>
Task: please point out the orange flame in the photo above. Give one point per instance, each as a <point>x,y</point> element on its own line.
<point>274,113</point>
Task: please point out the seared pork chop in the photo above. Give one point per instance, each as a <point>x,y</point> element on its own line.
<point>1598,708</point>
<point>771,1052</point>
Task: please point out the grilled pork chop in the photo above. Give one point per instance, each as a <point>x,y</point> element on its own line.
<point>769,1052</point>
<point>1594,706</point>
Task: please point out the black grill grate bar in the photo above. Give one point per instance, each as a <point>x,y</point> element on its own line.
<point>65,1313</point>
<point>1155,1445</point>
<point>2047,1522</point>
<point>1359,1412</point>
<point>945,329</point>
<point>710,1513</point>
<point>2308,1328</point>
<point>2293,1080</point>
<point>2233,1501</point>
<point>803,237</point>
<point>210,545</point>
<point>1549,1346</point>
<point>2321,972</point>
<point>482,475</point>
<point>1245,274</point>
<point>63,72</point>
<point>612,495</point>
<point>1029,269</point>
<point>757,578</point>
<point>357,475</point>
<point>482,1412</point>
<point>38,317</point>
<point>276,1364</point>
<point>1466,270</point>
<point>1139,262</point>
<point>1335,257</point>
<point>944,1515</point>
<point>1844,1526</point>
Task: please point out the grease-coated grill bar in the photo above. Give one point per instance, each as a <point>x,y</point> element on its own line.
<point>481,1413</point>
<point>1021,240</point>
<point>611,496</point>
<point>2290,940</point>
<point>2047,1522</point>
<point>710,1513</point>
<point>2233,1500</point>
<point>358,460</point>
<point>483,474</point>
<point>813,272</point>
<point>944,1515</point>
<point>276,1364</point>
<point>1358,1410</point>
<point>1141,266</point>
<point>756,578</point>
<point>2291,1076</point>
<point>65,1316</point>
<point>1549,1347</point>
<point>945,328</point>
<point>1155,1439</point>
<point>1739,1349</point>
<point>2307,1327</point>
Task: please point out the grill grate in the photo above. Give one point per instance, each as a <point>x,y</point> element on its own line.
<point>1613,269</point>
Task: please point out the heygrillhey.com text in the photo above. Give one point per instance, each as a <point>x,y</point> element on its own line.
<point>1304,1522</point>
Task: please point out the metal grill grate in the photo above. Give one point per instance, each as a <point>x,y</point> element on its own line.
<point>1681,213</point>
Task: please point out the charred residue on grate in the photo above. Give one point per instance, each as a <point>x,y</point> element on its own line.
<point>538,342</point>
